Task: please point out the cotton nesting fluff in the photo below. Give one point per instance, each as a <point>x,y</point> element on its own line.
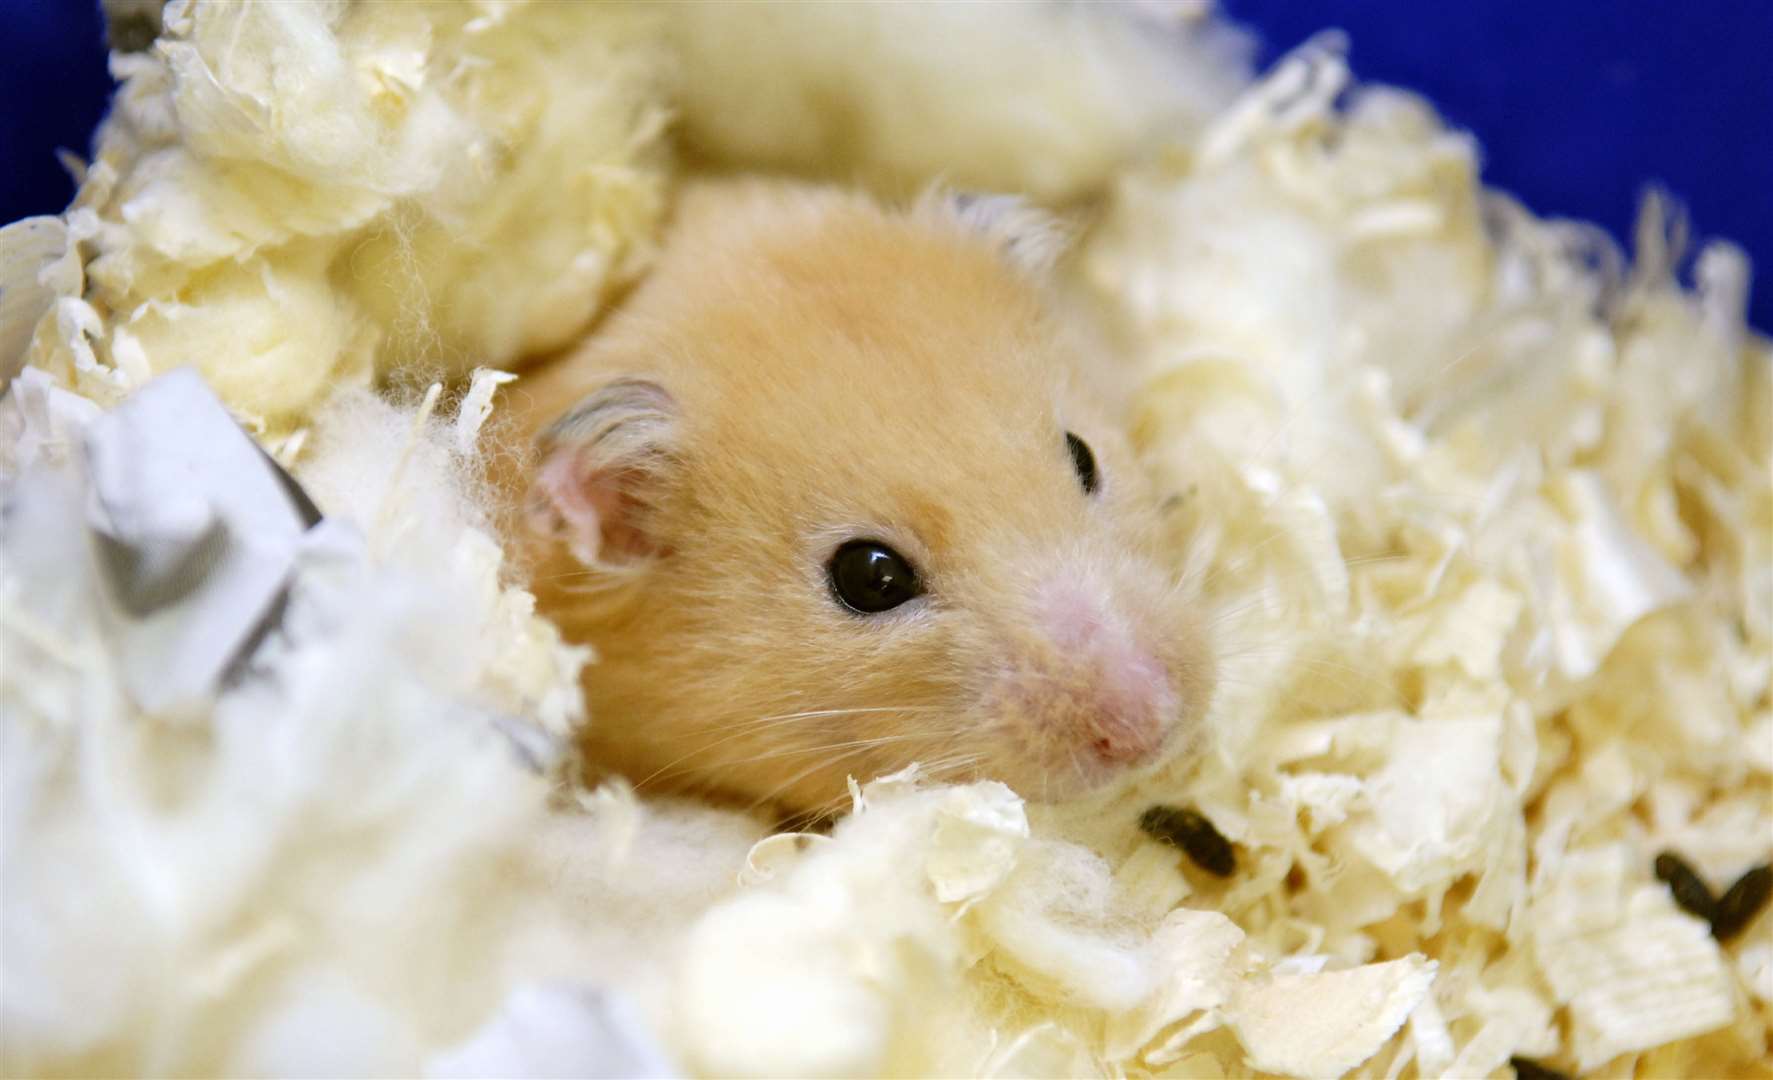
<point>343,863</point>
<point>1045,99</point>
<point>1490,524</point>
<point>295,196</point>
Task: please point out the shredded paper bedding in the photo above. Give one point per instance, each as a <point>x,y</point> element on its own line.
<point>1484,514</point>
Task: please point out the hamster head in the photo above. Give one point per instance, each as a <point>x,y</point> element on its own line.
<point>831,494</point>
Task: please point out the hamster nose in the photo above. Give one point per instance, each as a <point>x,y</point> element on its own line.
<point>1128,696</point>
<point>1116,741</point>
<point>1132,702</point>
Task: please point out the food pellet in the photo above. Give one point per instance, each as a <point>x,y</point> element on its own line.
<point>1528,1069</point>
<point>1741,903</point>
<point>1689,889</point>
<point>1194,834</point>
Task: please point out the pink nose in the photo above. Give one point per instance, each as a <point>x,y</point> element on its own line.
<point>1120,740</point>
<point>1127,697</point>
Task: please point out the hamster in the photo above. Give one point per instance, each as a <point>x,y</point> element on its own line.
<point>831,493</point>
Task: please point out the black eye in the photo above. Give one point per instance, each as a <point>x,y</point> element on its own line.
<point>1084,462</point>
<point>868,577</point>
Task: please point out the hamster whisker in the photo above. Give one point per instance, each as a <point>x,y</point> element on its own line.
<point>933,770</point>
<point>1369,560</point>
<point>1356,676</point>
<point>1418,412</point>
<point>755,726</point>
<point>878,740</point>
<point>1256,598</point>
<point>587,582</point>
<point>813,714</point>
<point>945,766</point>
<point>1359,677</point>
<point>785,785</point>
<point>850,748</point>
<point>818,818</point>
<point>1198,582</point>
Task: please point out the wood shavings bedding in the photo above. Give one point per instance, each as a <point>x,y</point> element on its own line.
<point>1491,525</point>
<point>1450,479</point>
<point>296,196</point>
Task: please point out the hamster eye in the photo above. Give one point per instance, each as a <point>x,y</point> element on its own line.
<point>1084,462</point>
<point>868,577</point>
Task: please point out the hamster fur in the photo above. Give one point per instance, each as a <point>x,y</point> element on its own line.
<point>805,368</point>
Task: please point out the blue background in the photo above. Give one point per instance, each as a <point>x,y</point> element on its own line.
<point>1578,104</point>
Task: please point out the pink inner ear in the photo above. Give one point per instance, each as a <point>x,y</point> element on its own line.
<point>591,509</point>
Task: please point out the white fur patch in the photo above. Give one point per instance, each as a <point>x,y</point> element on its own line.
<point>1030,238</point>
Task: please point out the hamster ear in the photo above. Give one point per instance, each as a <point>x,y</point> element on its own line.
<point>1027,236</point>
<point>603,467</point>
